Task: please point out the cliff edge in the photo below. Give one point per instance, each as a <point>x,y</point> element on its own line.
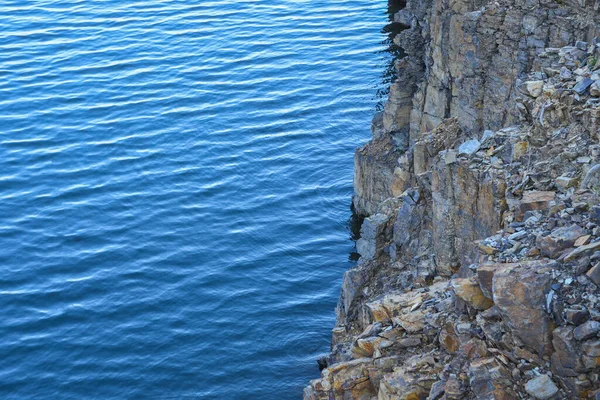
<point>479,275</point>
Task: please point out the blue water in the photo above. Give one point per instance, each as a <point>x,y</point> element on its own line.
<point>175,182</point>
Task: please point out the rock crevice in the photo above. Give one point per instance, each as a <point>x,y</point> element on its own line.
<point>479,275</point>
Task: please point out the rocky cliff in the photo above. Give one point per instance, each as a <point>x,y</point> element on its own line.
<point>479,275</point>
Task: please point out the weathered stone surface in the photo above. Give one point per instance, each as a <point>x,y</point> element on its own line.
<point>507,69</point>
<point>467,206</point>
<point>469,147</point>
<point>372,236</point>
<point>535,200</point>
<point>580,251</point>
<point>541,387</point>
<point>350,378</point>
<point>594,274</point>
<point>468,290</point>
<point>592,178</point>
<point>489,380</point>
<point>519,292</point>
<point>374,179</point>
<point>558,240</point>
<point>412,381</point>
<point>565,361</point>
<point>587,330</point>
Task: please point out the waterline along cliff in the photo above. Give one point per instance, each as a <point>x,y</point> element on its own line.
<point>479,275</point>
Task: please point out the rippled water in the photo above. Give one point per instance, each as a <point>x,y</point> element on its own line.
<point>175,182</point>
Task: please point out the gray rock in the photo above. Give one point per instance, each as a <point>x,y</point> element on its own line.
<point>592,178</point>
<point>594,274</point>
<point>565,73</point>
<point>371,240</point>
<point>469,147</point>
<point>487,140</point>
<point>377,126</point>
<point>518,235</point>
<point>583,85</point>
<point>595,89</point>
<point>587,330</point>
<point>541,387</point>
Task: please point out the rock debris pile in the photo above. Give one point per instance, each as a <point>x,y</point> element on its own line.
<point>479,275</point>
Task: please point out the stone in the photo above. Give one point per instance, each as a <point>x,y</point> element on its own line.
<point>412,322</point>
<point>520,149</point>
<point>519,292</point>
<point>558,240</point>
<point>469,147</point>
<point>366,347</point>
<point>350,377</point>
<point>586,330</point>
<point>578,252</point>
<point>406,384</point>
<point>591,349</point>
<point>592,178</point>
<point>594,274</point>
<point>595,89</point>
<point>583,85</point>
<point>541,387</point>
<point>566,182</point>
<point>450,157</point>
<point>576,316</point>
<point>595,215</point>
<point>534,88</point>
<point>485,275</point>
<point>517,235</point>
<point>582,240</point>
<point>488,138</point>
<point>565,360</point>
<point>408,342</point>
<point>534,200</point>
<point>489,380</point>
<point>377,126</point>
<point>372,241</point>
<point>469,291</point>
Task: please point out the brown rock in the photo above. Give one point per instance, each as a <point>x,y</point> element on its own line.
<point>490,380</point>
<point>578,252</point>
<point>565,359</point>
<point>448,339</point>
<point>586,330</point>
<point>350,379</point>
<point>534,200</point>
<point>468,290</point>
<point>582,240</point>
<point>412,322</point>
<point>594,274</point>
<point>366,347</point>
<point>485,274</point>
<point>576,316</point>
<point>520,295</point>
<point>592,349</point>
<point>558,240</point>
<point>405,383</point>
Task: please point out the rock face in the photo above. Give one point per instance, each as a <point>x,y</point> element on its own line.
<point>480,248</point>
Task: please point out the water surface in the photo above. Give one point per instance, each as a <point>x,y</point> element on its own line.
<point>175,181</point>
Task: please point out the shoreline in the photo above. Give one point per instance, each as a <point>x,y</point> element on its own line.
<point>479,275</point>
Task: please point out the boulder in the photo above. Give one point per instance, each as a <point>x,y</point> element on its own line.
<point>519,292</point>
<point>534,200</point>
<point>469,291</point>
<point>541,387</point>
<point>558,240</point>
<point>587,330</point>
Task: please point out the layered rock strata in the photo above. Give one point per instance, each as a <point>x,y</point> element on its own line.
<point>479,275</point>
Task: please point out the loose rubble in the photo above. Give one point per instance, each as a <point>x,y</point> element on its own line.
<point>479,275</point>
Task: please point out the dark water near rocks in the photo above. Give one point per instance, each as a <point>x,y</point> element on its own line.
<point>175,182</point>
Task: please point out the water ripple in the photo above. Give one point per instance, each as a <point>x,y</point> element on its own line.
<point>175,182</point>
